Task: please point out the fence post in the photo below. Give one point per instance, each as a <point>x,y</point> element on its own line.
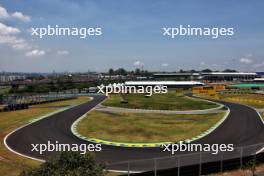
<point>155,167</point>
<point>128,168</point>
<point>179,165</point>
<point>241,157</point>
<point>200,164</point>
<point>221,164</point>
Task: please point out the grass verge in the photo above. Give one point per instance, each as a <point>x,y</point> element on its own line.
<point>142,127</point>
<point>10,163</point>
<point>169,101</point>
<point>253,100</point>
<point>4,90</point>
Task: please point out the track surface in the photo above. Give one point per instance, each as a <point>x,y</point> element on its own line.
<point>242,127</point>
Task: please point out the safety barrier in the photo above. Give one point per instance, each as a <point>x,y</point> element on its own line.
<point>199,163</point>
<point>17,102</point>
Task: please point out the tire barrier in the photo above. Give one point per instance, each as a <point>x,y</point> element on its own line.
<point>25,101</point>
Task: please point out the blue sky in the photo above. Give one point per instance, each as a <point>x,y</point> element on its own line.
<point>132,35</point>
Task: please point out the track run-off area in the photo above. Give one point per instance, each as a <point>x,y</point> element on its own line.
<point>242,127</point>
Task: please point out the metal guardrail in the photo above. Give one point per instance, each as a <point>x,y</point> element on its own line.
<point>16,102</point>
<point>199,163</point>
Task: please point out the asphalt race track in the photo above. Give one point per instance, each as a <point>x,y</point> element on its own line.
<point>242,127</point>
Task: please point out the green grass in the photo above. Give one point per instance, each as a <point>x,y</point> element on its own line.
<point>13,164</point>
<point>169,101</point>
<point>142,127</point>
<point>4,90</point>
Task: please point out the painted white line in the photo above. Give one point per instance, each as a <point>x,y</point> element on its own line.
<point>197,98</point>
<point>40,160</point>
<point>74,131</point>
<point>210,130</point>
<point>20,154</point>
<point>36,119</point>
<point>76,122</point>
<point>260,116</point>
<point>207,132</point>
<point>125,172</point>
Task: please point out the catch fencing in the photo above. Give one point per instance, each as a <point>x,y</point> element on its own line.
<point>198,163</point>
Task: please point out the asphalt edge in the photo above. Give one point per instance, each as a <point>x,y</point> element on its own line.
<point>220,106</point>
<point>31,122</point>
<point>111,143</point>
<point>262,120</point>
<point>210,130</point>
<point>260,116</point>
<point>146,145</point>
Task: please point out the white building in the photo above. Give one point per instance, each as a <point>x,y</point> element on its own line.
<point>169,84</point>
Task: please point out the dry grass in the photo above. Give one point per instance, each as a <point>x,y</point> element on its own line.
<point>254,100</point>
<point>12,164</point>
<point>142,127</point>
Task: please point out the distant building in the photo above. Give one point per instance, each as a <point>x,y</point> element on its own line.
<point>111,77</point>
<point>207,76</point>
<point>169,84</point>
<point>177,76</point>
<point>9,78</point>
<point>259,80</point>
<point>228,76</point>
<point>260,74</point>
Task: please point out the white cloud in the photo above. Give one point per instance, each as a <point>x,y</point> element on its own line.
<point>259,65</point>
<point>164,65</point>
<point>6,30</point>
<point>35,52</point>
<point>245,60</point>
<point>16,15</point>
<point>202,63</point>
<point>14,42</point>
<point>8,34</point>
<point>63,52</point>
<point>8,37</point>
<point>21,16</point>
<point>138,63</point>
<point>3,13</point>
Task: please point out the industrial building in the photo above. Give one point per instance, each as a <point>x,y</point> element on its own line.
<point>169,84</point>
<point>207,76</point>
<point>228,76</point>
<point>177,76</point>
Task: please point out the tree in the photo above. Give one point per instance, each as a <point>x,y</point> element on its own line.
<point>193,71</point>
<point>230,70</point>
<point>121,71</point>
<point>111,71</point>
<point>182,71</point>
<point>251,165</point>
<point>207,70</point>
<point>1,98</point>
<point>137,71</point>
<point>70,164</point>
